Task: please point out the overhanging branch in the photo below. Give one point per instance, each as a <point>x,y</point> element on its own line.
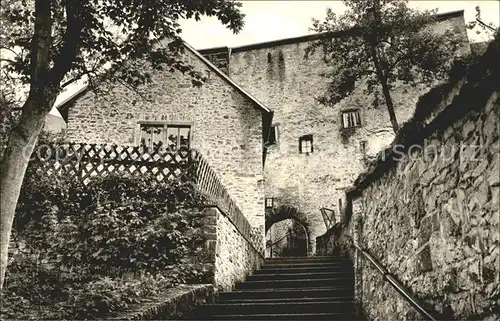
<point>485,25</point>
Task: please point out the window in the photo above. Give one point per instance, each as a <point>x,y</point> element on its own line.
<point>156,135</point>
<point>362,147</point>
<point>351,118</point>
<point>273,136</point>
<point>306,144</point>
<point>178,136</point>
<point>269,202</point>
<point>152,135</point>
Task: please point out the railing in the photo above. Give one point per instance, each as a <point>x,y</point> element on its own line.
<point>395,283</point>
<point>83,161</point>
<point>292,235</point>
<point>328,217</point>
<point>271,245</point>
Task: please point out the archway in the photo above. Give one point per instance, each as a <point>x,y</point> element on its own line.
<point>284,212</point>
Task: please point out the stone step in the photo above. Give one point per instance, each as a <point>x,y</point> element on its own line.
<point>299,276</point>
<point>305,264</point>
<point>306,259</point>
<point>349,298</point>
<point>292,288</point>
<point>284,293</point>
<point>277,308</point>
<point>306,269</point>
<point>284,316</point>
<point>301,283</point>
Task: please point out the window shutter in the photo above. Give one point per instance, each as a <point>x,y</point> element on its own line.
<point>345,121</point>
<point>358,117</point>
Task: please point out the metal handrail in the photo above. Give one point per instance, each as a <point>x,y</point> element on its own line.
<point>269,245</point>
<point>395,284</point>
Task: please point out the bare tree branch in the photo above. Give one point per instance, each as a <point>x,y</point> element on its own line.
<point>9,49</point>
<point>7,60</point>
<point>485,25</point>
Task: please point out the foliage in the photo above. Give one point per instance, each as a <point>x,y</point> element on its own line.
<point>82,242</point>
<point>34,291</point>
<point>8,117</point>
<point>114,223</point>
<point>380,45</point>
<point>88,35</point>
<point>53,43</point>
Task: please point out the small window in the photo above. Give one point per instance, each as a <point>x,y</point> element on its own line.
<point>351,118</point>
<point>306,144</point>
<point>162,135</point>
<point>152,135</point>
<point>273,136</point>
<point>178,136</point>
<point>269,202</point>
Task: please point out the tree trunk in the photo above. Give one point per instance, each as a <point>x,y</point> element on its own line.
<point>12,169</point>
<point>390,106</point>
<point>385,89</point>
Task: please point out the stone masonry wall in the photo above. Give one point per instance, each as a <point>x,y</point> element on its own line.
<point>232,251</point>
<point>225,126</point>
<point>279,76</point>
<point>431,215</point>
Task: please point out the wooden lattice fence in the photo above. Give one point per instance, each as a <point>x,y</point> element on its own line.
<point>83,161</point>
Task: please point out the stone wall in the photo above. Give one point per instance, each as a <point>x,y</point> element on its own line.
<point>428,209</point>
<point>231,249</point>
<point>277,74</point>
<point>226,127</point>
<point>170,305</point>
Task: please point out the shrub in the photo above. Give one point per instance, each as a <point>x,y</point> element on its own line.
<point>115,223</point>
<point>83,240</point>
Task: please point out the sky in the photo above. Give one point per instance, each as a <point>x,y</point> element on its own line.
<point>271,20</point>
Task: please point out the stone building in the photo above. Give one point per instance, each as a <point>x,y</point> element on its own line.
<point>315,152</point>
<point>220,119</point>
<point>258,107</point>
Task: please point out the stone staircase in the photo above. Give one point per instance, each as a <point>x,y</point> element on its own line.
<point>295,288</point>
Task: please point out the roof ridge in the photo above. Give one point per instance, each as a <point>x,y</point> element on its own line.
<point>225,77</point>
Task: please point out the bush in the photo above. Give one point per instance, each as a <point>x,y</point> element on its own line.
<point>83,240</point>
<point>115,223</point>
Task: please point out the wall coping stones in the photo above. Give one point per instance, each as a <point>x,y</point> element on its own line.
<point>171,304</point>
<point>467,89</point>
<point>316,36</point>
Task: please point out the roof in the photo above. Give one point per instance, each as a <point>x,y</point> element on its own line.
<point>64,105</point>
<point>287,41</point>
<point>227,78</point>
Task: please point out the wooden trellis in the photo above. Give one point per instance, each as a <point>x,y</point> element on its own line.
<point>83,161</point>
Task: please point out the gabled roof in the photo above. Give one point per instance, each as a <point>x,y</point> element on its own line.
<point>227,78</point>
<point>64,105</point>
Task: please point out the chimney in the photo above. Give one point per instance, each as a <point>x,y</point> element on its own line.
<point>219,57</point>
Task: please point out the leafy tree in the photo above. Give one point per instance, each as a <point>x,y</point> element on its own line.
<point>381,43</point>
<point>56,42</point>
